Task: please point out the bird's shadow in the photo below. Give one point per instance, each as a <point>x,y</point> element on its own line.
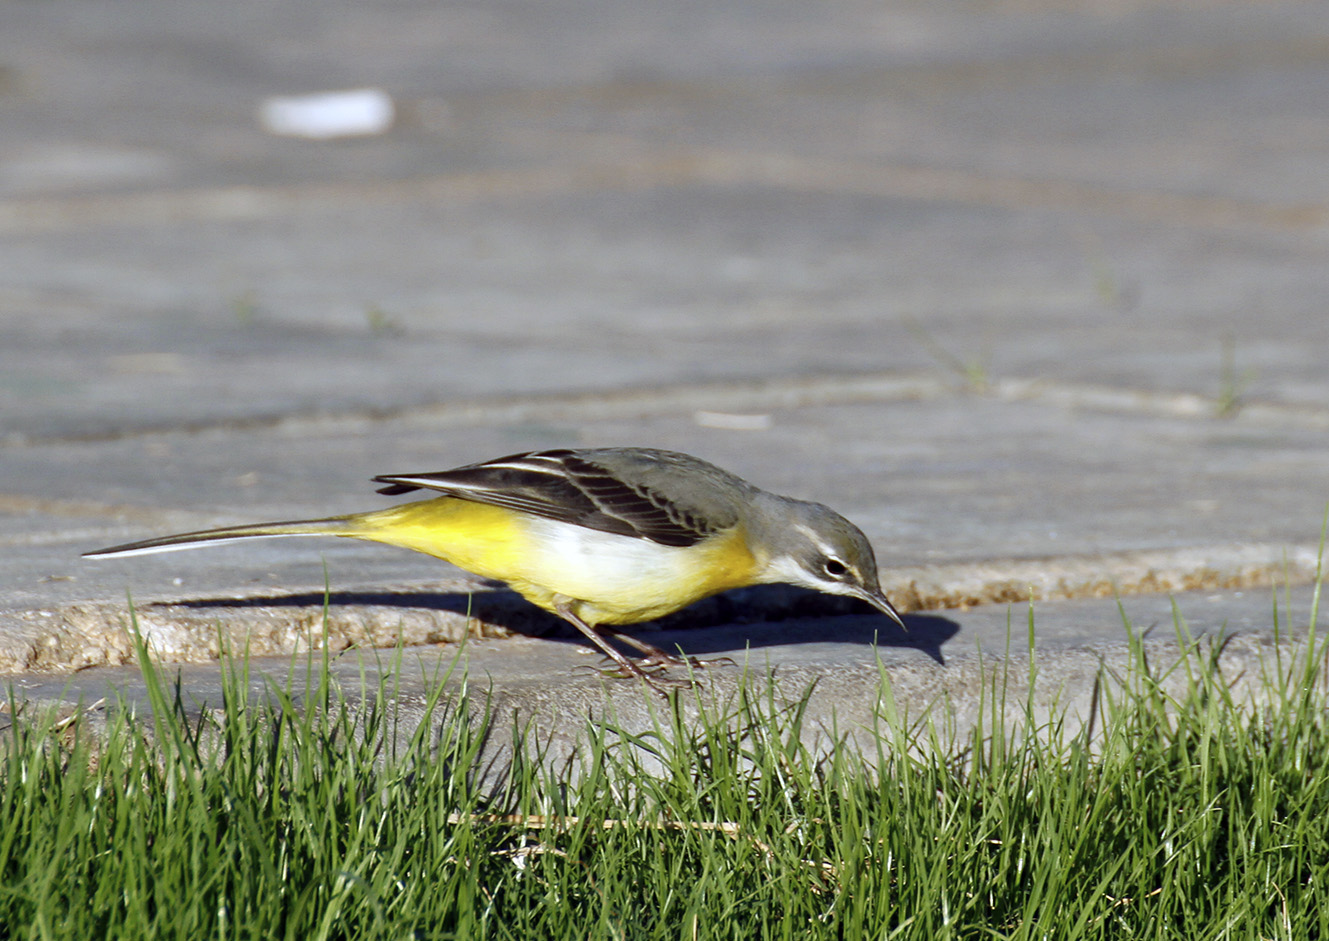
<point>760,616</point>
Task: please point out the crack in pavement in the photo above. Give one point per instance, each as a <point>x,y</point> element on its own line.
<point>708,167</point>
<point>739,395</point>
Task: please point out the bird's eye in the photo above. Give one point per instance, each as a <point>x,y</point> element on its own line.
<point>835,568</point>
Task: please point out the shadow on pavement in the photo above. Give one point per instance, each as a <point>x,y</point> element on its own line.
<point>761,616</point>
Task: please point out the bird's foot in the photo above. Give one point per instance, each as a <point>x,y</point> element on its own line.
<point>653,675</point>
<point>663,661</point>
<point>649,669</point>
<point>655,658</point>
<point>652,668</point>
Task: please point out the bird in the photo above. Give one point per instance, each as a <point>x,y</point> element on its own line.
<point>602,537</point>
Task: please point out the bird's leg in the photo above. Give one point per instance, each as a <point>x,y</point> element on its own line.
<point>657,657</point>
<point>625,666</point>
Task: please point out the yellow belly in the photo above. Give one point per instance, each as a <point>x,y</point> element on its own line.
<point>604,578</point>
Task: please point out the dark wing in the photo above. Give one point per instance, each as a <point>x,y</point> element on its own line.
<point>576,487</point>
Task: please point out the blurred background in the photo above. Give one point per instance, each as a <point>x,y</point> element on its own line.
<point>999,278</point>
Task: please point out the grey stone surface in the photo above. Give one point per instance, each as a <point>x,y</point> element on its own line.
<point>1069,196</point>
<point>862,676</point>
<point>1048,505</point>
<point>1033,290</point>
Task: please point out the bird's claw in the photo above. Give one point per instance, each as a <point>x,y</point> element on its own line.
<point>662,661</point>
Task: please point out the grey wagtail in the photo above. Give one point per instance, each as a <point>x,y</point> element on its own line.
<point>601,537</point>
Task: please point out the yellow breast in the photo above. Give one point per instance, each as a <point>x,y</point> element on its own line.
<point>605,578</point>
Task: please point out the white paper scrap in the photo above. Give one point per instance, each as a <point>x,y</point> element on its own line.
<point>357,112</point>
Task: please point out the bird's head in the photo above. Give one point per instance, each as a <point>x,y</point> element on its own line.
<point>812,546</point>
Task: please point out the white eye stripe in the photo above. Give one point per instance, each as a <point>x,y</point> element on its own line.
<point>815,538</point>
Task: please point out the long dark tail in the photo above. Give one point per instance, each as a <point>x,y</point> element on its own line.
<point>332,526</point>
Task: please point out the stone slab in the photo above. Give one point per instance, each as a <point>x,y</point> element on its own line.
<point>1034,292</point>
<point>952,672</point>
<point>967,500</point>
<point>606,196</point>
<point>380,310</point>
<point>1004,86</point>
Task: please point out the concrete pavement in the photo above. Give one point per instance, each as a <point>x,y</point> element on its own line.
<point>1033,292</point>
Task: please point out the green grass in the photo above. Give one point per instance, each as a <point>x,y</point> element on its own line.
<point>1184,816</point>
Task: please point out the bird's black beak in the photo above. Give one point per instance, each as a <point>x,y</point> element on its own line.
<point>877,598</point>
